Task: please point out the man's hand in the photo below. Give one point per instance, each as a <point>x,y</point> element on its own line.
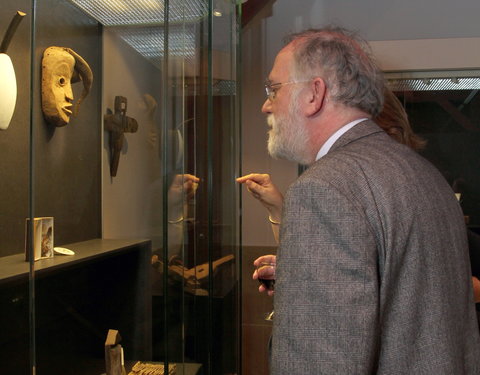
<point>267,272</point>
<point>262,188</point>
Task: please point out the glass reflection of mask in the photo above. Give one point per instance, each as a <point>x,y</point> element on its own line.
<point>60,68</point>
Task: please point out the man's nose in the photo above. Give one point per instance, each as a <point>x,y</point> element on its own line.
<point>267,106</point>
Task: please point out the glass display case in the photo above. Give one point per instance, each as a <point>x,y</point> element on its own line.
<point>443,108</point>
<point>119,217</point>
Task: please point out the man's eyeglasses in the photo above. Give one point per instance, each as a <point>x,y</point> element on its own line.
<point>272,88</point>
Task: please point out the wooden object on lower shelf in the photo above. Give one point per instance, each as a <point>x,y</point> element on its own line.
<point>114,354</point>
<point>146,368</point>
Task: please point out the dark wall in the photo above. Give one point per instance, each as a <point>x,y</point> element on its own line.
<point>67,161</point>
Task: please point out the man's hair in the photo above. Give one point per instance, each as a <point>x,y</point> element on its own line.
<point>343,60</point>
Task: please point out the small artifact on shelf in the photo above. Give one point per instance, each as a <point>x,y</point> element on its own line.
<point>8,91</point>
<point>145,368</point>
<point>63,251</point>
<point>117,124</point>
<point>114,362</point>
<point>39,242</point>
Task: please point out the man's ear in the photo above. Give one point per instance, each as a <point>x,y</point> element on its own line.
<point>315,101</point>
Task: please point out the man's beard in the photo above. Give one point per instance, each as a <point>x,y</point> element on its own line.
<point>288,138</point>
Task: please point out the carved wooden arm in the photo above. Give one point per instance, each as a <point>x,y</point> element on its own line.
<point>17,18</point>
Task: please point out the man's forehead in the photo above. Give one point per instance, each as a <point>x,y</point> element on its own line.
<point>282,64</point>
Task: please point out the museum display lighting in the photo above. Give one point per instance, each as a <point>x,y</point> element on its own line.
<point>435,84</point>
<point>149,41</point>
<point>434,80</point>
<point>141,24</point>
<point>142,12</point>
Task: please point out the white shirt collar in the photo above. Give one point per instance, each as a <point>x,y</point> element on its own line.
<point>330,141</point>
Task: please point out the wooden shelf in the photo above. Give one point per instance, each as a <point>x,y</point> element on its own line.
<point>14,267</point>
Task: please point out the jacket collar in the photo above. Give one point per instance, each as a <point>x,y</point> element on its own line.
<point>361,130</point>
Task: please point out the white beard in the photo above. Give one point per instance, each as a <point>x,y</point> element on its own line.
<point>288,137</point>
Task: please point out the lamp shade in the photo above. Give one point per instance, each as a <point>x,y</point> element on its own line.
<point>8,90</point>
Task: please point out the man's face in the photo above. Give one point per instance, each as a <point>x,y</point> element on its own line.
<point>57,94</point>
<point>288,137</point>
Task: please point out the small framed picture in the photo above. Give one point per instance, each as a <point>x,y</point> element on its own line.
<point>42,237</point>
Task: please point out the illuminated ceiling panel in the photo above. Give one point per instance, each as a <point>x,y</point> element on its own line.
<point>149,42</point>
<point>442,80</point>
<point>434,84</point>
<point>141,24</point>
<point>142,12</point>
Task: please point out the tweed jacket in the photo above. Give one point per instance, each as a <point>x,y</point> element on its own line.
<point>373,273</point>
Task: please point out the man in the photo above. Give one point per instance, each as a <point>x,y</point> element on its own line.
<point>372,269</point>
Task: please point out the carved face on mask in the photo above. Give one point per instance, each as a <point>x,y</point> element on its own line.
<point>61,67</point>
<point>57,94</point>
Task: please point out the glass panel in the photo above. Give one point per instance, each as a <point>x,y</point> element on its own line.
<point>180,184</point>
<point>443,108</point>
<point>129,186</point>
<point>225,163</point>
<point>122,153</point>
<point>15,186</point>
<point>203,121</point>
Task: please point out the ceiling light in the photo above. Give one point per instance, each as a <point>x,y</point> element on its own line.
<point>434,84</point>
<point>149,42</point>
<point>142,12</point>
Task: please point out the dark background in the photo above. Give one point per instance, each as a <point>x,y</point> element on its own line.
<point>67,161</point>
<point>449,121</point>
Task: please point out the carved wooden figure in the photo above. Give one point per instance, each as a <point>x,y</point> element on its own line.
<point>117,124</point>
<point>114,354</point>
